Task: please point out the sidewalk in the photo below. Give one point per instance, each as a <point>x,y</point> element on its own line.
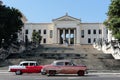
<point>3,68</point>
<point>104,71</point>
<point>89,71</point>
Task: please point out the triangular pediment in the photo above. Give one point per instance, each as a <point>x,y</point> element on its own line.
<point>66,18</point>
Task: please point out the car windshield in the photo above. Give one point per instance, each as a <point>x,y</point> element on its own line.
<point>60,63</point>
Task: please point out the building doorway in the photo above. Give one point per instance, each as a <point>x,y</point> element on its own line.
<point>66,36</point>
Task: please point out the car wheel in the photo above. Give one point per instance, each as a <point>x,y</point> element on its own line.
<point>43,73</point>
<point>18,72</point>
<point>52,73</point>
<point>81,73</point>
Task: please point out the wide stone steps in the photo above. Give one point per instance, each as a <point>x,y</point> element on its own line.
<point>67,49</point>
<point>84,54</point>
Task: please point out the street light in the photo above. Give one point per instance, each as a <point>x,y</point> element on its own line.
<point>2,43</point>
<point>11,38</point>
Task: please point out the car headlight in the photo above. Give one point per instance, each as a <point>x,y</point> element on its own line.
<point>43,71</point>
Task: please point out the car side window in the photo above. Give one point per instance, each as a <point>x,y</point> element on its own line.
<point>59,64</point>
<point>25,64</point>
<point>32,64</point>
<point>68,64</point>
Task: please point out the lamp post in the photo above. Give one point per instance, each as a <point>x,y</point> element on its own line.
<point>11,38</point>
<point>2,43</point>
<point>26,41</point>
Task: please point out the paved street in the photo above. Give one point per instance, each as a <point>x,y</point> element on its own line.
<point>4,75</point>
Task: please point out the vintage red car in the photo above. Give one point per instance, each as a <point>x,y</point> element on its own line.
<point>26,67</point>
<point>64,67</point>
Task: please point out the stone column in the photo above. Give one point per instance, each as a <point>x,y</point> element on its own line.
<point>78,35</point>
<point>74,36</point>
<point>58,40</point>
<point>69,36</point>
<point>55,36</point>
<point>63,36</point>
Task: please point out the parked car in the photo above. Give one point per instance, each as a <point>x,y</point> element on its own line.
<point>25,67</point>
<point>64,67</point>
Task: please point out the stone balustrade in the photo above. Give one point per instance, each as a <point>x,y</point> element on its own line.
<point>112,47</point>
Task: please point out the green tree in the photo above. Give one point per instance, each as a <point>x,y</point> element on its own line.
<point>36,37</point>
<point>113,21</point>
<point>10,23</point>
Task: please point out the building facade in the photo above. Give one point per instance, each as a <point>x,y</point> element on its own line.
<point>66,29</point>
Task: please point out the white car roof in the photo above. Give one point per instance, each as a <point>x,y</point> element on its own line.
<point>28,62</point>
<point>61,61</point>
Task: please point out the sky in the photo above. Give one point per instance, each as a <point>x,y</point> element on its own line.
<point>43,11</point>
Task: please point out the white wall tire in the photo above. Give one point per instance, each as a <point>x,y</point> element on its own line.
<point>18,72</point>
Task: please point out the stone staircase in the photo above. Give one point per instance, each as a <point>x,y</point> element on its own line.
<point>81,54</point>
<point>68,49</point>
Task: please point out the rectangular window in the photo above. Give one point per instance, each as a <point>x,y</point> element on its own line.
<point>51,33</point>
<point>34,30</point>
<point>89,31</point>
<point>100,31</point>
<point>32,64</point>
<point>44,31</point>
<point>94,40</point>
<point>89,40</point>
<point>82,33</point>
<point>94,31</point>
<point>39,31</point>
<point>107,31</point>
<point>26,31</point>
<point>44,40</point>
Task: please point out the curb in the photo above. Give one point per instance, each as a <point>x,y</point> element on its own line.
<point>103,71</point>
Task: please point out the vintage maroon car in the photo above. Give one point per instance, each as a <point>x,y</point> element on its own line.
<point>26,67</point>
<point>64,67</point>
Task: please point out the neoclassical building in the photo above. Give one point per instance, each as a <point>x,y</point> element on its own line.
<point>66,29</point>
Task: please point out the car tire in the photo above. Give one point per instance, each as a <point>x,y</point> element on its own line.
<point>18,72</point>
<point>43,73</point>
<point>81,73</point>
<point>52,72</point>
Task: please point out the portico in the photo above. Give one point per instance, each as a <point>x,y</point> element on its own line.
<point>66,30</point>
<point>66,35</point>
